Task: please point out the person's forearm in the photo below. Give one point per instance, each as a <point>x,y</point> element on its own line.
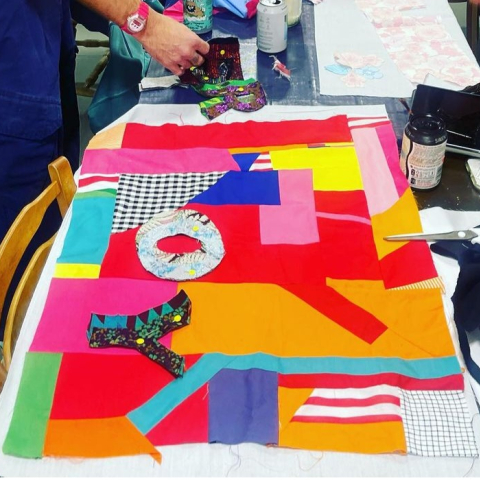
<point>116,11</point>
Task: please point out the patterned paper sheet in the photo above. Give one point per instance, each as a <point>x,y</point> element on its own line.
<point>300,337</point>
<point>386,47</point>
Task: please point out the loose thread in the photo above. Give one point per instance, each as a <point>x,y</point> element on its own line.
<point>238,462</point>
<point>318,460</point>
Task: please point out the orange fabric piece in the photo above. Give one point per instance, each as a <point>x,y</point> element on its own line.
<point>418,316</point>
<point>111,138</point>
<point>401,218</point>
<point>96,438</point>
<point>383,437</point>
<point>235,319</point>
<point>289,401</point>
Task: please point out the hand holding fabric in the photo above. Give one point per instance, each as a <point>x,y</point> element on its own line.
<point>172,44</point>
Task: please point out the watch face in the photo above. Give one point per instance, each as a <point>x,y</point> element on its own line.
<point>136,23</point>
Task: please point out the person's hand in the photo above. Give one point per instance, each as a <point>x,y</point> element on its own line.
<point>171,43</point>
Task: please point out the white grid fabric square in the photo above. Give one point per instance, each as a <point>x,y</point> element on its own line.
<point>437,423</point>
<point>139,197</point>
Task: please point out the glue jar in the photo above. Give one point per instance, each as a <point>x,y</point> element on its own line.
<point>294,12</point>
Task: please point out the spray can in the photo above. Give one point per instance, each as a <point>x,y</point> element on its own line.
<point>423,151</point>
<point>272,26</point>
<point>198,15</point>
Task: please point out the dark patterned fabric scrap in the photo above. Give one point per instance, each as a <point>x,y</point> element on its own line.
<point>142,332</point>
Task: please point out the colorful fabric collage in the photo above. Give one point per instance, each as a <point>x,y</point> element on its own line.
<point>311,332</point>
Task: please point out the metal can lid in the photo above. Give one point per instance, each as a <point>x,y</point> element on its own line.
<point>271,3</point>
<point>430,129</point>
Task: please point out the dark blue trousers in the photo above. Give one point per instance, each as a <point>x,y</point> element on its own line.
<point>38,107</point>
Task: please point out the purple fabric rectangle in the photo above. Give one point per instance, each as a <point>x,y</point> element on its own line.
<point>243,407</point>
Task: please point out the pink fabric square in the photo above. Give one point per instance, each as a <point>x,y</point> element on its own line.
<point>70,303</point>
<point>288,224</point>
<point>296,186</point>
<point>294,221</point>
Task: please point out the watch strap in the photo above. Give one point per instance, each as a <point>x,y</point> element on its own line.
<point>140,15</point>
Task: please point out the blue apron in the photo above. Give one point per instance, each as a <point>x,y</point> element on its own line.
<point>38,104</point>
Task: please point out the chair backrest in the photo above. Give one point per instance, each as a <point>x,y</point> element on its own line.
<point>62,189</point>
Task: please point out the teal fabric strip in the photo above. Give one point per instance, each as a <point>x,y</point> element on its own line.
<point>89,231</point>
<point>160,405</point>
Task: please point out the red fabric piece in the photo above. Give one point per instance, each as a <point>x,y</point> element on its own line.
<point>333,380</point>
<point>101,386</point>
<point>340,310</point>
<point>352,402</point>
<point>349,250</point>
<point>409,264</point>
<point>187,423</point>
<point>121,259</point>
<point>352,202</point>
<point>246,259</point>
<point>302,270</point>
<point>178,244</point>
<point>83,182</point>
<point>348,420</point>
<point>250,134</point>
<point>251,8</point>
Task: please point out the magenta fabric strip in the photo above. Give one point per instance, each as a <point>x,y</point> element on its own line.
<point>377,179</point>
<point>132,160</point>
<point>388,140</point>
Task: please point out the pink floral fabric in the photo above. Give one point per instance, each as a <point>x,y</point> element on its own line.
<point>420,45</point>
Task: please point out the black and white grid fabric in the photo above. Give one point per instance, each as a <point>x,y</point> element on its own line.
<point>437,423</point>
<point>139,197</point>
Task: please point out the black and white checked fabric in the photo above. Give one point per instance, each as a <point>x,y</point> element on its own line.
<point>139,197</point>
<point>437,423</point>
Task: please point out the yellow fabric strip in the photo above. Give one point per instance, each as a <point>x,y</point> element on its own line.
<point>76,270</point>
<point>333,168</point>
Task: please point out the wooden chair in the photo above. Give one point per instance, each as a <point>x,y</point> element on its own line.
<point>62,189</point>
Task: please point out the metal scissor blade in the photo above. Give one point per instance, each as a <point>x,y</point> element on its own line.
<point>433,237</point>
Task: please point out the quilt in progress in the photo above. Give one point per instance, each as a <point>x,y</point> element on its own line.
<point>229,284</point>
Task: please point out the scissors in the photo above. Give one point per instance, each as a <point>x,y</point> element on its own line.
<point>461,235</point>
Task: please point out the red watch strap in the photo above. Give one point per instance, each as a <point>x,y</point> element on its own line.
<point>141,12</point>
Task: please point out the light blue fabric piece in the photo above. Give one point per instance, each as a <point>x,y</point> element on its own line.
<point>160,405</point>
<point>91,219</point>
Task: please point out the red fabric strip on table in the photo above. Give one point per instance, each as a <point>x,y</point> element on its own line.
<point>333,380</point>
<point>237,135</point>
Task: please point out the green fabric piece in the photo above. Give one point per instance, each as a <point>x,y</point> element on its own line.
<point>108,192</point>
<point>26,435</point>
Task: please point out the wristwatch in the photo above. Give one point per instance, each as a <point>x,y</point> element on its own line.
<point>136,22</point>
